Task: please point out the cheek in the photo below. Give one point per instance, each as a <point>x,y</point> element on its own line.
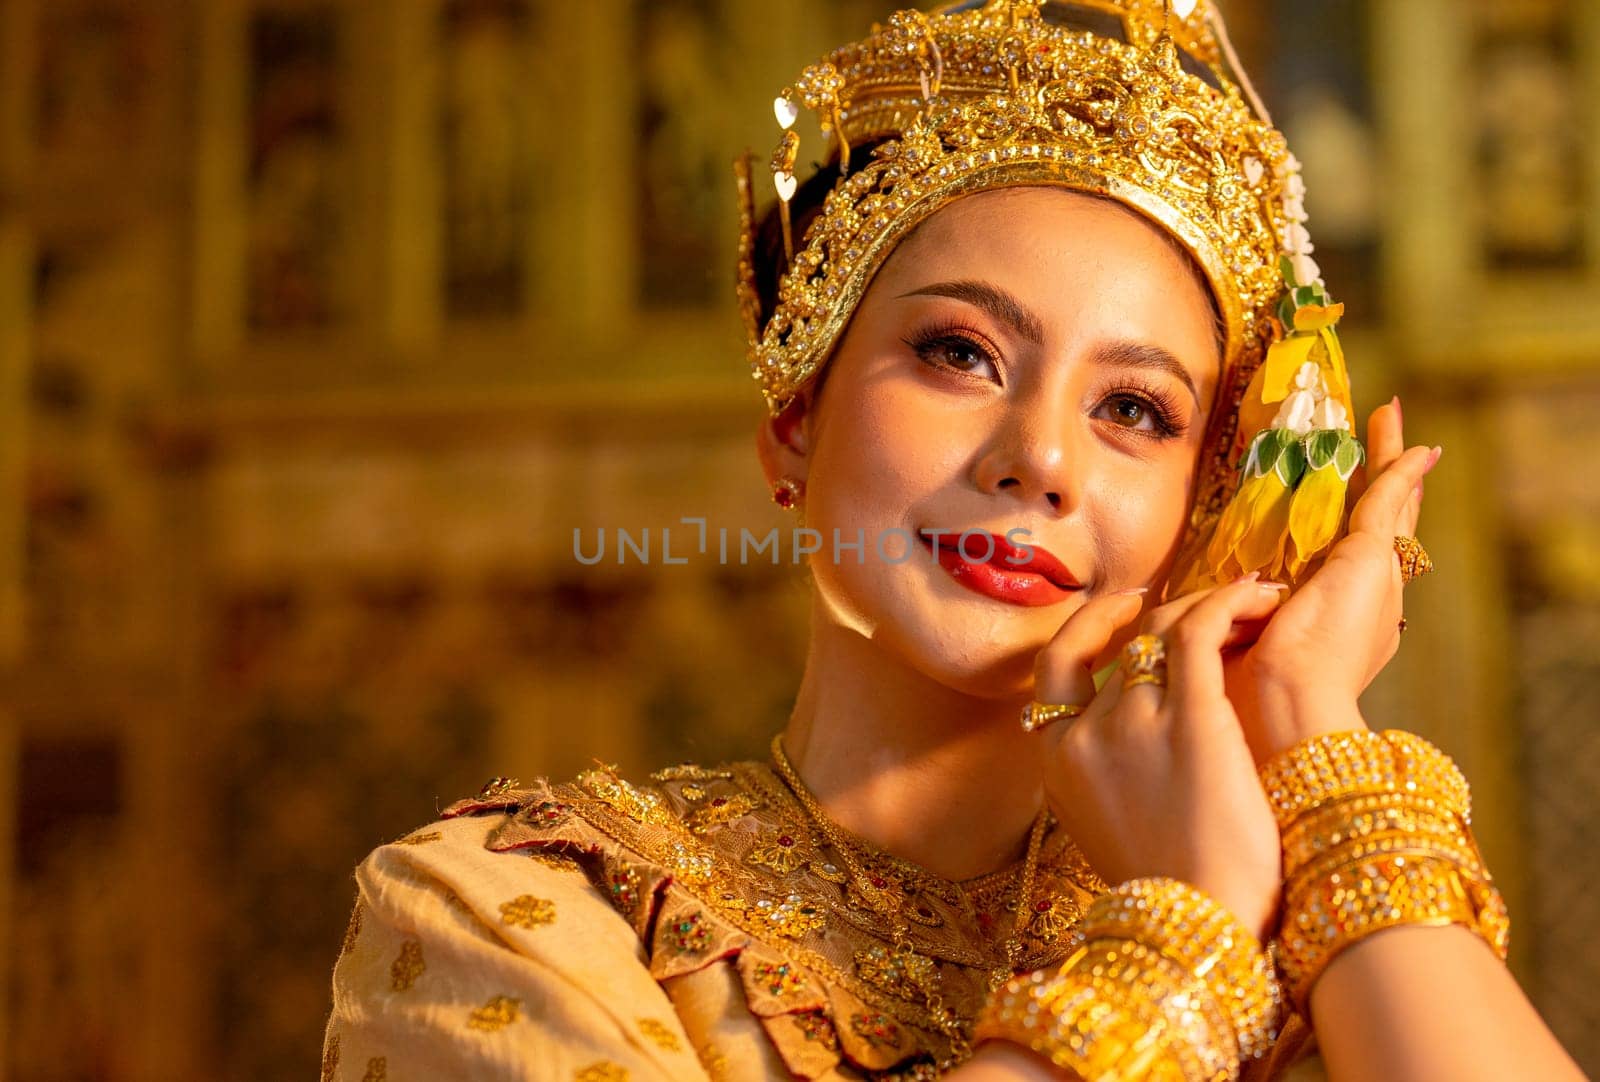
<point>877,459</point>
<point>1138,518</point>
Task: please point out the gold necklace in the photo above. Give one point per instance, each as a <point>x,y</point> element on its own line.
<point>918,967</point>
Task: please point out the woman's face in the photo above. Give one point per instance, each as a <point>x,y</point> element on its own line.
<point>1029,359</point>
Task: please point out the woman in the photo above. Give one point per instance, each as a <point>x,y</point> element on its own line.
<point>1053,288</point>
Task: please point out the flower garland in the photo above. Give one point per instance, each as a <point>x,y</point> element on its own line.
<point>1297,466</point>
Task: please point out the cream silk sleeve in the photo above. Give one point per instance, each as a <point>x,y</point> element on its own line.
<point>462,964</point>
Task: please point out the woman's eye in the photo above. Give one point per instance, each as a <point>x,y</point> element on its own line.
<point>958,353</point>
<point>1131,412</point>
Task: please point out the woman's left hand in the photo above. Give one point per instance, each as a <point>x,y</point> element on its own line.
<point>1321,649</point>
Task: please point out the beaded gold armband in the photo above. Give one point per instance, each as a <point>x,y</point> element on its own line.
<point>1376,834</point>
<point>1319,771</point>
<point>1167,985</point>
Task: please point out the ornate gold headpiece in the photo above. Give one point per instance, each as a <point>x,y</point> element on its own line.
<point>1138,100</point>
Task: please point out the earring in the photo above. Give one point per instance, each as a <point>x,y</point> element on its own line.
<point>786,493</point>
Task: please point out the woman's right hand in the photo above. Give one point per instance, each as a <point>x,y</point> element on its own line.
<point>1153,781</point>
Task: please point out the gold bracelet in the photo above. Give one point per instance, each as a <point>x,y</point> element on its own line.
<point>1167,984</point>
<point>1376,833</point>
<point>1325,828</point>
<point>1206,940</point>
<point>1103,1015</point>
<point>1323,769</point>
<point>1372,893</point>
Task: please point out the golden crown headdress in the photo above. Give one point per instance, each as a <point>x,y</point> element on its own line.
<point>1138,100</point>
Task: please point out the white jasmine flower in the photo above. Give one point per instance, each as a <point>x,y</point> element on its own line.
<point>1296,240</point>
<point>1308,377</point>
<point>1330,413</point>
<point>1296,412</point>
<point>1306,271</point>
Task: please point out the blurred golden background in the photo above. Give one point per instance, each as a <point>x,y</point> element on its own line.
<point>324,323</point>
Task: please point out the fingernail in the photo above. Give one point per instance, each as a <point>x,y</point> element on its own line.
<point>1251,577</point>
<point>1273,586</point>
<point>1132,591</point>
<point>1399,414</point>
<point>1433,459</point>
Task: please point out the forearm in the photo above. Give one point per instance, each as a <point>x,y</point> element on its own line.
<point>1426,1003</point>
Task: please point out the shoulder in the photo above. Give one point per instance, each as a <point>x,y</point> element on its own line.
<point>598,839</point>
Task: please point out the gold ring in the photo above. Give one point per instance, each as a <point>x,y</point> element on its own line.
<point>1144,661</point>
<point>1414,562</point>
<point>1036,715</point>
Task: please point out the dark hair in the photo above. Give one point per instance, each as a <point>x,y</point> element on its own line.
<point>770,261</point>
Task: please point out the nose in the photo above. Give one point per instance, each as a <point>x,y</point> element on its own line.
<point>1032,453</point>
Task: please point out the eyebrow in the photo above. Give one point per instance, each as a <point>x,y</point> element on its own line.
<point>1145,355</point>
<point>1007,309</point>
<point>1000,304</point>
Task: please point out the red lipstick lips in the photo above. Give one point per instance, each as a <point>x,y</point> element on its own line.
<point>1002,574</point>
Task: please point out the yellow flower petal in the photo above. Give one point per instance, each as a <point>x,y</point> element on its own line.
<point>1314,317</point>
<point>1250,534</point>
<point>1284,359</point>
<point>1314,515</point>
<point>1333,367</point>
<point>1261,548</point>
<point>1254,412</point>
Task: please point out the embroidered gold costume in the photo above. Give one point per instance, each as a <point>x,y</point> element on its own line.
<point>697,927</point>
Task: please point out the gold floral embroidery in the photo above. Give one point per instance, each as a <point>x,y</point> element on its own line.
<point>559,862</point>
<point>692,865</point>
<point>495,1015</point>
<point>691,792</point>
<point>660,1033</point>
<point>420,839</point>
<point>352,930</point>
<point>901,973</point>
<point>497,786</point>
<point>604,1071</point>
<point>1052,918</point>
<point>690,772</point>
<point>779,978</point>
<point>527,911</point>
<point>377,1070</point>
<point>690,935</point>
<point>781,850</point>
<point>719,811</point>
<point>640,805</point>
<point>715,1063</point>
<point>330,1059</point>
<point>816,1027</point>
<point>622,887</point>
<point>407,967</point>
<point>547,813</point>
<point>878,1030</point>
<point>792,918</point>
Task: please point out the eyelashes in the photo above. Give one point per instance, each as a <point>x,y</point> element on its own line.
<point>952,338</point>
<point>962,349</point>
<point>1166,414</point>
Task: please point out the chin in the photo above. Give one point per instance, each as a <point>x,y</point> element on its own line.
<point>992,667</point>
<point>973,646</point>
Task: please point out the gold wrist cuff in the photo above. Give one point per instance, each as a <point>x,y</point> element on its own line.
<point>1167,984</point>
<point>1376,833</point>
<point>1323,769</point>
<point>1359,897</point>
